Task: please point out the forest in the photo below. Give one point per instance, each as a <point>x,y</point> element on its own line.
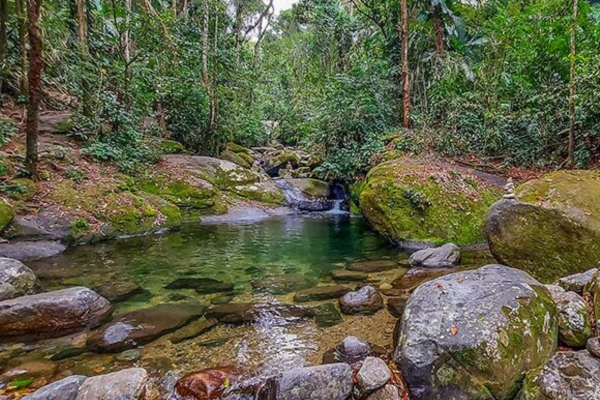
<point>504,82</point>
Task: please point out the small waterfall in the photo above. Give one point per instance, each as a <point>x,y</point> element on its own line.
<point>339,197</point>
<point>337,207</point>
<point>299,201</point>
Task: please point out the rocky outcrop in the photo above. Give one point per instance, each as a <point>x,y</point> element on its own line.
<point>16,279</point>
<point>364,301</point>
<point>572,375</point>
<point>446,256</point>
<point>143,326</point>
<point>408,201</point>
<point>129,384</point>
<point>552,229</point>
<point>474,334</point>
<point>52,314</point>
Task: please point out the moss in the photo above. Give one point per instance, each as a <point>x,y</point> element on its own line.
<point>311,187</point>
<point>226,177</point>
<point>407,202</point>
<point>236,148</point>
<point>236,158</point>
<point>260,192</point>
<point>6,214</point>
<point>284,158</point>
<point>171,147</point>
<point>181,193</point>
<point>64,126</point>
<point>21,189</point>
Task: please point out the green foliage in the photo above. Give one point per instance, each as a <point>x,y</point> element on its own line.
<point>7,131</point>
<point>75,174</point>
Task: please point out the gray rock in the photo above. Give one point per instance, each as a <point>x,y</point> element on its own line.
<point>593,346</point>
<point>396,305</point>
<point>331,382</point>
<point>473,334</point>
<point>364,301</point>
<point>52,314</point>
<point>129,384</point>
<point>574,325</point>
<point>16,274</point>
<point>576,282</point>
<point>31,250</point>
<point>7,291</point>
<point>446,256</point>
<point>65,389</point>
<point>321,293</point>
<point>352,351</point>
<point>569,375</point>
<point>143,326</point>
<point>373,374</point>
<point>130,355</point>
<point>388,392</point>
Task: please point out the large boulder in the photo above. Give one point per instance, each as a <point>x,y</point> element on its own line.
<point>410,202</point>
<point>143,326</point>
<point>474,334</point>
<point>52,314</point>
<point>569,375</point>
<point>552,229</point>
<point>18,276</point>
<point>128,384</point>
<point>310,187</point>
<point>64,389</point>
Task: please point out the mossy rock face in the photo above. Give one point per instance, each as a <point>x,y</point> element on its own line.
<point>411,202</point>
<point>171,147</point>
<point>236,148</point>
<point>236,158</point>
<point>6,214</point>
<point>475,334</point>
<point>21,189</point>
<point>266,192</point>
<point>280,160</point>
<point>310,187</point>
<point>553,229</point>
<point>187,194</point>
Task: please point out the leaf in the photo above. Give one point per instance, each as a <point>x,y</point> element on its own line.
<point>454,330</point>
<point>20,383</point>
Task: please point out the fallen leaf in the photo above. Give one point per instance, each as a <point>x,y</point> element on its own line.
<point>454,330</point>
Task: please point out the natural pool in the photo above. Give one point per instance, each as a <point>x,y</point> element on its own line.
<point>264,261</point>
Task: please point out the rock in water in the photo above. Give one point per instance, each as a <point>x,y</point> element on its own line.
<point>473,334</point>
<point>236,313</point>
<point>408,201</point>
<point>193,330</point>
<point>365,301</point>
<point>569,375</point>
<point>52,314</point>
<point>373,266</point>
<point>208,383</point>
<point>143,326</point>
<point>119,291</point>
<point>553,230</point>
<point>345,275</point>
<point>17,275</point>
<point>201,285</point>
<point>373,374</point>
<point>129,384</point>
<point>331,382</point>
<point>446,256</point>
<point>65,389</point>
<point>321,293</point>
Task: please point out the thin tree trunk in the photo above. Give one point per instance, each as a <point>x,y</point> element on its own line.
<point>35,78</point>
<point>3,35</point>
<point>205,21</point>
<point>572,87</point>
<point>438,28</point>
<point>405,72</point>
<point>127,51</point>
<point>22,22</point>
<point>82,25</point>
<point>205,79</point>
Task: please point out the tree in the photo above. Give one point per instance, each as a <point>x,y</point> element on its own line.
<point>3,40</point>
<point>35,75</point>
<point>22,24</point>
<point>572,85</point>
<point>405,71</point>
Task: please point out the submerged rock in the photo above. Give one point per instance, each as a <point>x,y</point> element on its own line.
<point>18,276</point>
<point>119,290</point>
<point>193,330</point>
<point>65,389</point>
<point>352,350</point>
<point>321,293</point>
<point>236,313</point>
<point>52,314</point>
<point>283,284</point>
<point>473,334</point>
<point>349,276</point>
<point>416,276</point>
<point>34,369</point>
<point>364,301</point>
<point>572,375</point>
<point>129,384</point>
<point>373,266</point>
<point>201,285</point>
<point>207,383</point>
<point>408,201</point>
<point>446,256</point>
<point>331,382</point>
<point>552,229</point>
<point>143,326</point>
<point>327,315</point>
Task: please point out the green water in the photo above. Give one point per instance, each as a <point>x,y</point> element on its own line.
<point>304,249</point>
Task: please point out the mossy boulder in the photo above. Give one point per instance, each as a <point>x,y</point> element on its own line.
<point>280,160</point>
<point>236,158</point>
<point>310,187</point>
<point>475,334</point>
<point>6,214</point>
<point>191,193</point>
<point>552,229</point>
<point>171,147</point>
<point>266,192</point>
<point>20,189</point>
<point>236,148</point>
<point>407,201</point>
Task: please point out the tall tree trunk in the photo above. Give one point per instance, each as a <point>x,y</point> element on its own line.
<point>206,80</point>
<point>572,86</point>
<point>22,22</point>
<point>205,21</point>
<point>3,36</point>
<point>127,50</point>
<point>405,72</point>
<point>438,29</point>
<point>82,25</point>
<point>35,78</point>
